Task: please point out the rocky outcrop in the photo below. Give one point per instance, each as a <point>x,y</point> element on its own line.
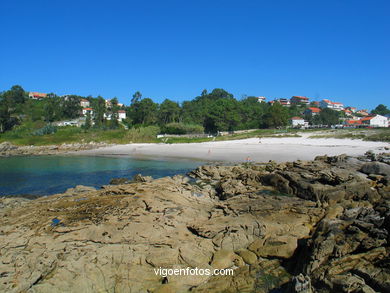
<point>318,226</point>
<point>7,149</point>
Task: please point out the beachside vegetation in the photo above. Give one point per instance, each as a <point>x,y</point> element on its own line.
<point>29,121</point>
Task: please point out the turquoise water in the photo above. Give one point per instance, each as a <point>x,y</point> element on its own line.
<point>44,175</point>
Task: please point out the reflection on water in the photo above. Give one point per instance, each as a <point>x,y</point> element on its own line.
<point>54,174</point>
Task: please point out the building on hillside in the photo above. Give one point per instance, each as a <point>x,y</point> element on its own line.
<point>261,99</point>
<point>375,121</point>
<point>312,111</point>
<point>362,112</point>
<point>84,103</point>
<point>108,104</point>
<point>36,95</point>
<point>283,102</point>
<point>298,100</point>
<point>121,115</point>
<point>316,103</point>
<point>120,105</point>
<point>352,109</point>
<point>325,103</point>
<point>352,123</point>
<point>347,112</point>
<point>297,121</point>
<point>87,110</point>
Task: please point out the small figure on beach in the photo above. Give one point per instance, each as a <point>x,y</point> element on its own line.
<point>259,139</point>
<point>209,152</point>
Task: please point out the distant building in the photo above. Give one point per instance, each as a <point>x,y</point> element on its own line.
<point>331,105</point>
<point>347,112</point>
<point>312,111</point>
<point>121,115</point>
<point>108,103</point>
<point>352,109</point>
<point>297,121</point>
<point>261,99</point>
<point>36,95</point>
<point>298,100</point>
<point>362,112</point>
<point>87,110</point>
<point>84,103</point>
<point>352,123</point>
<point>375,121</point>
<point>283,102</point>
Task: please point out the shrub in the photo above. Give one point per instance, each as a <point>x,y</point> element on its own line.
<point>48,129</point>
<point>181,128</point>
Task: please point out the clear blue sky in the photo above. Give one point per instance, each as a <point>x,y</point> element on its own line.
<point>175,48</point>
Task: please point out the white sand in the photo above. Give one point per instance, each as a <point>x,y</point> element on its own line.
<point>278,149</point>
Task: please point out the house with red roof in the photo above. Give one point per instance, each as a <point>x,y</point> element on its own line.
<point>87,110</point>
<point>298,100</point>
<point>312,111</point>
<point>84,103</point>
<point>375,121</point>
<point>297,121</point>
<point>325,103</point>
<point>363,112</point>
<point>121,115</point>
<point>352,123</point>
<point>36,95</point>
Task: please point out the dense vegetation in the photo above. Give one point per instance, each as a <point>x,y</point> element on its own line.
<point>28,120</point>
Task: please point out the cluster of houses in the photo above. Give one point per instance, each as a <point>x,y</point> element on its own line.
<point>85,107</point>
<point>352,118</point>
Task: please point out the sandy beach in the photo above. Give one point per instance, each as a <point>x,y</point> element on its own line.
<point>252,149</point>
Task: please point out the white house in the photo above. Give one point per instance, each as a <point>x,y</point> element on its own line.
<point>36,95</point>
<point>84,103</point>
<point>331,105</point>
<point>297,121</point>
<point>121,115</point>
<point>261,99</point>
<point>87,110</point>
<point>375,121</point>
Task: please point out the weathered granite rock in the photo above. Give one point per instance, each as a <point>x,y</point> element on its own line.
<point>377,168</point>
<point>333,227</point>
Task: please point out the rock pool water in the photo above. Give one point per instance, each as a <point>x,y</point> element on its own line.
<point>44,175</point>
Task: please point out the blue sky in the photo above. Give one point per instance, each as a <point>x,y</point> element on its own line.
<point>175,49</point>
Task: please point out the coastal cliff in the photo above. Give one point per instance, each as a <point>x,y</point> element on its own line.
<point>305,226</point>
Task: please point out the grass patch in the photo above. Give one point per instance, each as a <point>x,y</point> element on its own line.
<point>70,134</point>
<point>370,134</point>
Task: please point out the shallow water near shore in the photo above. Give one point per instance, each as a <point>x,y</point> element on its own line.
<point>45,175</point>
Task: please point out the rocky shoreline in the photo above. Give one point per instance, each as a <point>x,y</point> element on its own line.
<point>304,226</point>
<point>7,149</point>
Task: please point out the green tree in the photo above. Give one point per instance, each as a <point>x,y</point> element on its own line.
<point>381,110</point>
<point>143,112</point>
<point>276,116</point>
<point>71,107</point>
<point>224,115</point>
<point>328,117</point>
<point>114,114</point>
<point>137,96</point>
<point>88,121</point>
<point>99,109</point>
<point>169,111</point>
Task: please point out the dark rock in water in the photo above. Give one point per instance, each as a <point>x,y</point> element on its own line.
<point>118,181</point>
<point>377,168</point>
<point>136,178</point>
<point>140,178</point>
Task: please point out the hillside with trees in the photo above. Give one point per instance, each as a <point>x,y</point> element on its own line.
<point>210,112</point>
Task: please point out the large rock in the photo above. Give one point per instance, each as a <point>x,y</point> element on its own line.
<point>376,168</point>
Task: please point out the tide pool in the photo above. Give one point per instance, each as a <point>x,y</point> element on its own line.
<point>45,175</point>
